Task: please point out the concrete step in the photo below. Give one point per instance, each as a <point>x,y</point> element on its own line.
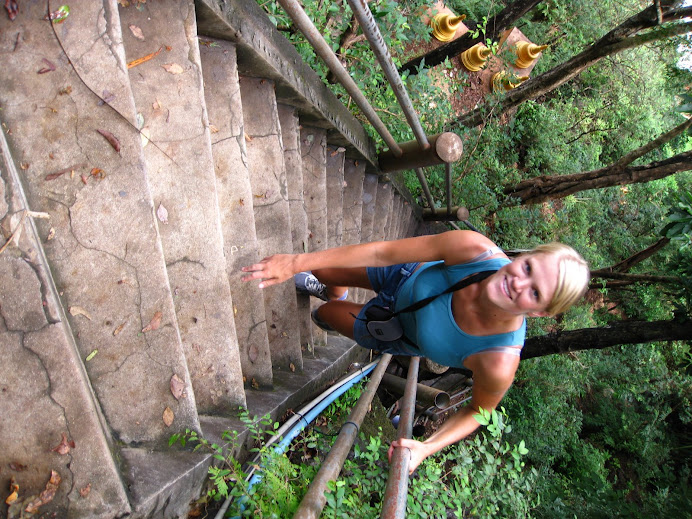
<point>335,196</point>
<point>369,207</point>
<point>354,178</point>
<point>272,214</point>
<point>169,97</point>
<point>382,211</point>
<point>290,133</point>
<point>313,151</point>
<point>101,240</point>
<point>222,95</point>
<point>46,395</point>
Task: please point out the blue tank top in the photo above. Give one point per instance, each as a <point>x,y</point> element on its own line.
<point>433,327</point>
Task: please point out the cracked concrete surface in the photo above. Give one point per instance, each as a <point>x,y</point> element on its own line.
<point>180,172</point>
<point>114,272</point>
<point>290,133</point>
<point>313,151</point>
<point>222,94</point>
<point>272,217</point>
<point>45,392</point>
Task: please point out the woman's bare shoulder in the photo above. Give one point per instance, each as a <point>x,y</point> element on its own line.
<point>463,246</point>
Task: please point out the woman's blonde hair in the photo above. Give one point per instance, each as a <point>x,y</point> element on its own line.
<point>572,279</point>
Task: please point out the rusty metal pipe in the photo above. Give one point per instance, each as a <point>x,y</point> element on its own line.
<point>448,186</point>
<point>372,33</point>
<point>444,148</point>
<point>425,395</point>
<point>324,51</point>
<point>394,502</point>
<point>426,190</point>
<point>312,504</point>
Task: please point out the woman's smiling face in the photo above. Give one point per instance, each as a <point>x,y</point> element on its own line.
<point>527,285</point>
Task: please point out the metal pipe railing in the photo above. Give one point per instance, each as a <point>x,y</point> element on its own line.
<point>425,395</point>
<point>394,502</point>
<point>425,188</point>
<point>448,186</point>
<point>324,51</point>
<point>372,33</point>
<point>444,148</point>
<point>312,504</point>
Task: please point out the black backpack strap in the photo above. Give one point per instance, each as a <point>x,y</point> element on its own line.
<point>470,280</point>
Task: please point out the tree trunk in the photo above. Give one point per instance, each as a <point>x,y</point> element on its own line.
<point>621,38</point>
<point>634,259</point>
<point>635,278</point>
<point>617,333</point>
<point>540,189</point>
<point>495,26</point>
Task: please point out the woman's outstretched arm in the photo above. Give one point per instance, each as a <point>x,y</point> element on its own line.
<point>490,383</point>
<point>452,247</point>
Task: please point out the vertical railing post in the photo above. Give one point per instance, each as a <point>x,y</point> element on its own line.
<point>394,502</point>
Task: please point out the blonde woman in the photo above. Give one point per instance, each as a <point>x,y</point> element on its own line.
<point>480,325</point>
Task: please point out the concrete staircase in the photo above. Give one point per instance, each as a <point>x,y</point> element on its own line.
<point>130,196</point>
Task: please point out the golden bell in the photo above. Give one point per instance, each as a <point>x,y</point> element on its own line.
<point>474,58</point>
<point>502,81</point>
<point>527,53</point>
<point>444,25</point>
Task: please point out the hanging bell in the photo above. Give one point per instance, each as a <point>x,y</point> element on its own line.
<point>444,25</point>
<point>527,53</point>
<point>474,58</point>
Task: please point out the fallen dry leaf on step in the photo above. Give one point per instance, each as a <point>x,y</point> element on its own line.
<point>106,97</point>
<point>213,129</point>
<point>119,329</point>
<point>177,387</point>
<point>48,68</point>
<point>24,165</point>
<point>248,138</point>
<point>84,492</point>
<point>14,489</point>
<point>47,495</point>
<point>156,105</point>
<point>65,91</point>
<point>12,9</point>
<point>173,68</point>
<point>51,234</point>
<point>58,16</point>
<point>78,310</point>
<point>98,173</point>
<point>16,466</point>
<point>154,323</point>
<point>143,59</point>
<point>292,367</point>
<point>255,384</point>
<point>57,174</point>
<point>136,32</point>
<point>64,446</point>
<point>145,135</point>
<point>112,140</point>
<point>162,213</point>
<point>168,416</point>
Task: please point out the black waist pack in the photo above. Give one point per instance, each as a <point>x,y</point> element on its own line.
<point>383,325</point>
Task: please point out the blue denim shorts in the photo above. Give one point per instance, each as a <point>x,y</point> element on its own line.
<point>386,281</point>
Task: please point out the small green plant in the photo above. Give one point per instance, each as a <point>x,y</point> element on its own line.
<point>226,474</point>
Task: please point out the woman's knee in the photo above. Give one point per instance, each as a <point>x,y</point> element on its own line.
<point>340,315</point>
